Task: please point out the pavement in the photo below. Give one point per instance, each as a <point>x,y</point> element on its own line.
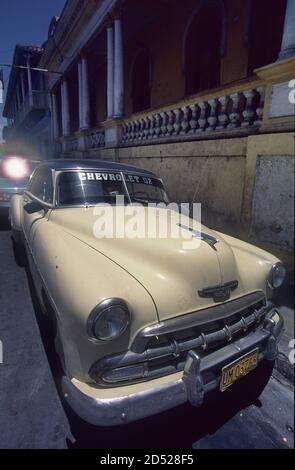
<point>284,300</point>
<point>34,416</point>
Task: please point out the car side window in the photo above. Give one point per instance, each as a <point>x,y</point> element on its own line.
<point>41,185</point>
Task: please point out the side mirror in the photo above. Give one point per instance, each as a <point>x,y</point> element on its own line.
<point>35,206</point>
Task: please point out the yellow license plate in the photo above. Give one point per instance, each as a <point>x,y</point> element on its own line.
<point>237,369</point>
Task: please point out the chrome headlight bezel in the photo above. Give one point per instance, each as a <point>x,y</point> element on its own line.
<point>276,275</point>
<point>100,311</point>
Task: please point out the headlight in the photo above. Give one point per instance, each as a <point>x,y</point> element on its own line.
<point>108,320</point>
<point>14,167</point>
<point>277,275</point>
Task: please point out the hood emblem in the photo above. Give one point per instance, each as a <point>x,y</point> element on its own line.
<point>219,293</point>
<point>201,236</point>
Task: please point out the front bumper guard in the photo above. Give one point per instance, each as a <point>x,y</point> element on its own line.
<point>190,387</point>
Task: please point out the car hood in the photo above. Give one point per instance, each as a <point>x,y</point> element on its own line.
<point>172,273</point>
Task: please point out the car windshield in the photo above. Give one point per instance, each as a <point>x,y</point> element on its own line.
<point>94,187</point>
<point>145,189</point>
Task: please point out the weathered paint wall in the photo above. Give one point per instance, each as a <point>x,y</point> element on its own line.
<point>273,201</point>
<point>222,173</point>
<point>210,172</point>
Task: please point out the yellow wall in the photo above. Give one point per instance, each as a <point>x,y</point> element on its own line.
<point>164,39</point>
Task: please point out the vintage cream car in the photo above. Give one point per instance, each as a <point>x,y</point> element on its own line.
<point>142,325</point>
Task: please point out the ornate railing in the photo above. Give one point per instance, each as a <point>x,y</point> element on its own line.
<point>237,109</point>
<point>95,139</point>
<point>34,100</point>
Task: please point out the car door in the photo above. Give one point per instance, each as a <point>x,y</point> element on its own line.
<point>37,202</point>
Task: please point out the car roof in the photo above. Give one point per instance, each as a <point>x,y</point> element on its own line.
<point>84,164</point>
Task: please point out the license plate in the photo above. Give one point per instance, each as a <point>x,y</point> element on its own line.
<point>237,369</point>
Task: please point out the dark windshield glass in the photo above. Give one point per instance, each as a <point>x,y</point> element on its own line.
<point>89,188</point>
<point>145,189</point>
<point>92,187</point>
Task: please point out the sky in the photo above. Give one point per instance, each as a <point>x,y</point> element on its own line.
<point>23,22</point>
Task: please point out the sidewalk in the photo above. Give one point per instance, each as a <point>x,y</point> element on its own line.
<point>284,300</point>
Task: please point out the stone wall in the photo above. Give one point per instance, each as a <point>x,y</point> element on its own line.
<point>244,184</point>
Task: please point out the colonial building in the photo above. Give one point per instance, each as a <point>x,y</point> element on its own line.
<point>199,91</point>
<point>26,106</point>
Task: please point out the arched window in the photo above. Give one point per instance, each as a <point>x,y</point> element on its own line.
<point>140,82</point>
<point>265,32</point>
<point>203,46</point>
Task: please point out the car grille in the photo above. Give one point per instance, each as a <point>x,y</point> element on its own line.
<point>165,354</point>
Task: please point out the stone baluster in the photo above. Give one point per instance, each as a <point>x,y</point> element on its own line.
<point>151,128</point>
<point>171,117</point>
<point>185,119</point>
<point>164,118</point>
<point>128,131</point>
<point>248,113</point>
<point>193,121</point>
<point>141,129</point>
<point>177,122</point>
<point>146,128</point>
<point>157,126</point>
<point>136,129</point>
<point>132,130</point>
<point>202,121</point>
<point>212,119</point>
<point>127,135</point>
<point>223,117</point>
<point>235,115</point>
<point>123,134</point>
<point>259,111</point>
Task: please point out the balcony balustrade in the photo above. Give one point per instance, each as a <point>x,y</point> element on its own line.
<point>196,117</point>
<point>34,101</point>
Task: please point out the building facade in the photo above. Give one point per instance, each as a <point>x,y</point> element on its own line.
<point>199,91</point>
<point>26,105</point>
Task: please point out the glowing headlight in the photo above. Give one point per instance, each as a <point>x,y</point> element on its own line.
<point>276,275</point>
<point>108,320</point>
<point>16,168</point>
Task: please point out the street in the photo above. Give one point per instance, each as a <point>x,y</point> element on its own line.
<point>32,415</point>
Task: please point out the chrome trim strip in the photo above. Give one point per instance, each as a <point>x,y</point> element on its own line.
<point>217,312</point>
<point>130,358</point>
<point>127,408</point>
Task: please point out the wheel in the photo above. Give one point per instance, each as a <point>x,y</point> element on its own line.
<point>19,254</point>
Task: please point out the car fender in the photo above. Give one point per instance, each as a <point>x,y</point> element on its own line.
<point>16,216</point>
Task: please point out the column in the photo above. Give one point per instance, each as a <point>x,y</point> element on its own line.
<point>54,116</point>
<point>85,94</point>
<point>118,69</point>
<point>29,73</point>
<point>110,71</point>
<point>80,95</point>
<point>18,96</point>
<point>65,109</point>
<point>288,40</point>
<point>22,84</point>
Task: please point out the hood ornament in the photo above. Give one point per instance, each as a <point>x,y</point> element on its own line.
<point>201,236</point>
<point>219,293</point>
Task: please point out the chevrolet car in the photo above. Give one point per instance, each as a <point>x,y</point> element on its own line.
<point>142,325</point>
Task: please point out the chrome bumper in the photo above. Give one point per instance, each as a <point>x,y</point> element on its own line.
<point>191,387</point>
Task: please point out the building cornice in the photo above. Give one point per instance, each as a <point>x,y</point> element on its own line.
<point>67,27</point>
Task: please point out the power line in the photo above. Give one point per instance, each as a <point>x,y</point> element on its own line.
<point>38,69</point>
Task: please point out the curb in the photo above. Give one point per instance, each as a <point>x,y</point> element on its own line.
<point>284,367</point>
